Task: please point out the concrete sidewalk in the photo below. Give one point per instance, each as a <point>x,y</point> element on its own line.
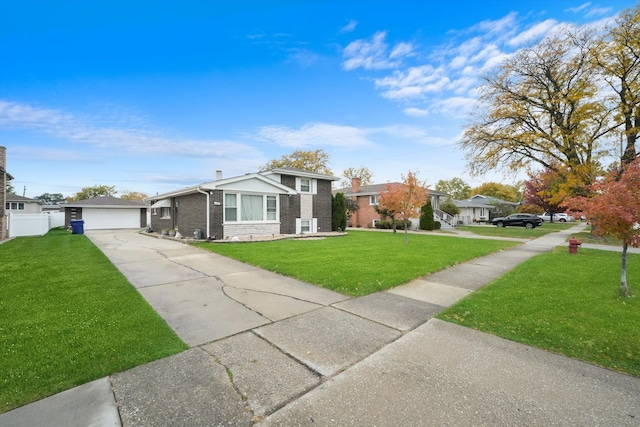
<point>272,350</point>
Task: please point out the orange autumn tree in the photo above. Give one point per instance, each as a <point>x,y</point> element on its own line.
<point>403,200</point>
<point>614,209</point>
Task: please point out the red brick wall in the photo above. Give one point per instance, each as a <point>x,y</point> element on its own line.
<point>365,215</point>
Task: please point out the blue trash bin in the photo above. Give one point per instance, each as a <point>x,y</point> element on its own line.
<point>77,226</point>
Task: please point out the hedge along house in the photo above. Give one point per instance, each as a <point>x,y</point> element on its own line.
<point>276,202</point>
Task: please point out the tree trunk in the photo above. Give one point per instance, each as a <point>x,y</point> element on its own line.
<point>624,287</point>
<point>406,235</point>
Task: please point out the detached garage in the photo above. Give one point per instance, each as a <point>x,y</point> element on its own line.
<point>103,213</point>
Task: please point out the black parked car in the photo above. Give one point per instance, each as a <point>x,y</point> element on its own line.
<point>522,220</point>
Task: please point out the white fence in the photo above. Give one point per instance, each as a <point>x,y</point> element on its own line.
<point>34,224</point>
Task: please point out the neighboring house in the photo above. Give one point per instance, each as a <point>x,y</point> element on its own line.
<point>52,208</point>
<point>275,202</point>
<point>20,204</point>
<point>103,213</point>
<point>481,208</point>
<point>4,177</point>
<point>367,197</point>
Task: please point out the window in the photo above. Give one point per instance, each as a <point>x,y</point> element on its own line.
<point>373,200</point>
<point>305,226</point>
<point>272,208</point>
<point>165,213</point>
<point>251,207</point>
<point>305,185</point>
<point>15,206</point>
<point>230,207</point>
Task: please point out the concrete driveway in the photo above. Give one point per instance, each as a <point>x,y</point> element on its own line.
<point>203,296</point>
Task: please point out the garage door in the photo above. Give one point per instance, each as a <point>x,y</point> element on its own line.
<point>102,219</point>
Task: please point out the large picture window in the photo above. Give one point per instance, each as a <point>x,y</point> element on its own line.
<point>250,207</point>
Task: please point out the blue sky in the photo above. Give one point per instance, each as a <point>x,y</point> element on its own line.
<point>152,96</point>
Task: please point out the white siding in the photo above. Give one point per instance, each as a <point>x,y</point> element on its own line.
<point>104,219</point>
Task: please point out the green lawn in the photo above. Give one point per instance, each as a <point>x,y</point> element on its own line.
<point>67,317</point>
<point>568,304</point>
<point>362,262</point>
<point>516,232</point>
<point>587,237</point>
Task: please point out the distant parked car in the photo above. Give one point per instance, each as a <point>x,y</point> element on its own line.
<point>521,220</point>
<point>557,217</point>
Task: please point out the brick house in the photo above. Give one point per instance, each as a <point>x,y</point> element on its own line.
<point>366,196</point>
<point>275,202</point>
<point>4,177</point>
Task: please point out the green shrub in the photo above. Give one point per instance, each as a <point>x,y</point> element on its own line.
<point>388,225</point>
<point>426,217</point>
<point>449,207</point>
<point>438,225</point>
<point>339,214</point>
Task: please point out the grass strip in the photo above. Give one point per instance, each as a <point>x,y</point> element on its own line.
<point>362,262</point>
<point>516,232</point>
<point>67,317</point>
<point>567,304</point>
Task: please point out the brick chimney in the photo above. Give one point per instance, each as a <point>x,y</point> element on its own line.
<point>355,185</point>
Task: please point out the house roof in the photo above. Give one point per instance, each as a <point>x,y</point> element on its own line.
<point>263,177</point>
<point>222,183</point>
<point>300,172</point>
<point>481,201</point>
<point>106,202</point>
<point>16,198</point>
<point>374,189</point>
<point>8,175</point>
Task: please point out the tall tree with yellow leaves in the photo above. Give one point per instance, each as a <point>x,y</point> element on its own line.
<point>541,108</point>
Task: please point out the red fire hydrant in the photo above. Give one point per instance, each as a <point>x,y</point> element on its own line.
<point>573,245</point>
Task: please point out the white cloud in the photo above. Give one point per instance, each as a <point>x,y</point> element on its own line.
<point>303,57</point>
<point>84,130</point>
<point>456,106</point>
<point>373,54</point>
<point>414,82</point>
<point>535,32</point>
<point>578,8</point>
<point>500,28</point>
<point>314,135</point>
<point>415,112</point>
<point>401,50</point>
<point>351,25</point>
<point>598,11</point>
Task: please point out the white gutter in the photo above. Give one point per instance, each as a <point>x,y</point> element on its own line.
<point>198,188</point>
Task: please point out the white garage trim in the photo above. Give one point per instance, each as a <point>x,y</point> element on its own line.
<point>110,218</point>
